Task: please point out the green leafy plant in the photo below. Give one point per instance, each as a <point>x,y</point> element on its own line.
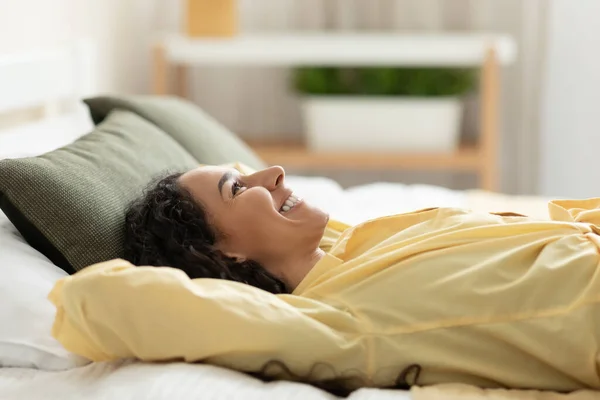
<point>384,81</point>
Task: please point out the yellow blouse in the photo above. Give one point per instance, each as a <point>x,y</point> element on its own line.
<point>484,299</point>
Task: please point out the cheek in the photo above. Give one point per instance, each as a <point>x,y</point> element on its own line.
<point>253,215</point>
<point>257,200</point>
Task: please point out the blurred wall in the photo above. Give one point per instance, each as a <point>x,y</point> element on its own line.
<point>570,138</point>
<point>256,103</point>
<point>120,29</point>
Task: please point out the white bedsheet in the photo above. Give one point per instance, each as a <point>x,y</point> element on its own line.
<point>360,203</point>
<point>128,380</point>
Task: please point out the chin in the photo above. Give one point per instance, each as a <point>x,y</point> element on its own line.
<point>323,218</point>
<point>318,213</point>
<point>315,218</point>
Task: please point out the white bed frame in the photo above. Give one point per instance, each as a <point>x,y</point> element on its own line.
<point>45,79</point>
<point>40,98</point>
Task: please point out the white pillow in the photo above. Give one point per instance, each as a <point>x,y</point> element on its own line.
<point>27,276</point>
<point>38,137</point>
<point>26,315</point>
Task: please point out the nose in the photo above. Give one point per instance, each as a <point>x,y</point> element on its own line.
<point>270,178</point>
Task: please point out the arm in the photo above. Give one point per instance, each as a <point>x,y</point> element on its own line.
<point>587,210</point>
<point>115,310</point>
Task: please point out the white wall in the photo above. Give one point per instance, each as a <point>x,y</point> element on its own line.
<point>570,127</point>
<point>121,30</point>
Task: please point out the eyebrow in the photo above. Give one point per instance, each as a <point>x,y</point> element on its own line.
<point>226,176</point>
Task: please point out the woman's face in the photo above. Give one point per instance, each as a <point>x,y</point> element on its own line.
<point>259,217</point>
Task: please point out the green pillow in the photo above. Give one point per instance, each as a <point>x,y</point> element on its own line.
<point>202,136</point>
<point>70,203</point>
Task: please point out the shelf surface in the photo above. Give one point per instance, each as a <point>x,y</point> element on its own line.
<point>339,49</point>
<point>466,158</point>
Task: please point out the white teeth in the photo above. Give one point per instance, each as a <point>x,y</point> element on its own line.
<point>289,203</point>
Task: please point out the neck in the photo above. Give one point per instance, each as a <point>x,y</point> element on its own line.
<point>294,268</point>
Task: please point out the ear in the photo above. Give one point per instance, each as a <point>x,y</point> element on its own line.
<point>225,248</point>
<point>238,257</point>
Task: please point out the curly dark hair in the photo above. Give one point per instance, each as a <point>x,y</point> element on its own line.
<point>167,227</point>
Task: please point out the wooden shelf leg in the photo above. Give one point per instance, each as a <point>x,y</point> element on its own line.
<point>490,149</point>
<point>160,71</point>
<point>182,81</point>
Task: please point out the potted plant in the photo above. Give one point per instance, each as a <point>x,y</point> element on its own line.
<point>383,109</point>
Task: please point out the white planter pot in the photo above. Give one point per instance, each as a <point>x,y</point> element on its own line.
<point>400,124</point>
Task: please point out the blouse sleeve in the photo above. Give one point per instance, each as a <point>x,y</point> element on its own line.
<point>587,211</point>
<point>116,310</point>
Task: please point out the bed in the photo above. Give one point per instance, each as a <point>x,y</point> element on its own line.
<point>40,110</point>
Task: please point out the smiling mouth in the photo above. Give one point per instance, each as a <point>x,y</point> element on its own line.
<point>289,203</point>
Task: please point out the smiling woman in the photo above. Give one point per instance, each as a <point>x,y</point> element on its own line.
<point>451,295</point>
<point>213,222</point>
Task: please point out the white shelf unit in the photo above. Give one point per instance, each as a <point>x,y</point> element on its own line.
<point>487,51</point>
<point>339,49</point>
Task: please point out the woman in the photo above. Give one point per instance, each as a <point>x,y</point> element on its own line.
<point>212,222</point>
<point>494,300</point>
